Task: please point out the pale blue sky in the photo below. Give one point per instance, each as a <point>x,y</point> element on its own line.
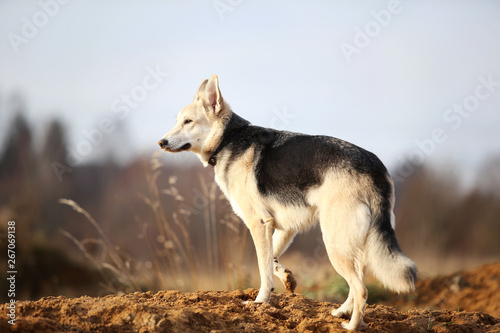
<point>272,58</point>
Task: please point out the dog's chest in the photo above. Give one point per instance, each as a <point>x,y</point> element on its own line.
<point>236,179</point>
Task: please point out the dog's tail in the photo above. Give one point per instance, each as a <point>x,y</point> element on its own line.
<point>384,256</point>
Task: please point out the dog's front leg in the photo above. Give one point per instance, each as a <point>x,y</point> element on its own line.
<point>262,233</point>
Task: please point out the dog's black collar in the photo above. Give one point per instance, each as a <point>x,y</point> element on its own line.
<point>212,160</point>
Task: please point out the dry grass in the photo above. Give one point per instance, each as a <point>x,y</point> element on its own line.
<point>174,260</point>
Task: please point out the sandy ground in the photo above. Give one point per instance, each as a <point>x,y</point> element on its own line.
<point>462,302</point>
<point>473,290</point>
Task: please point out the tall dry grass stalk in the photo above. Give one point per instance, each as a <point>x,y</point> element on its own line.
<point>116,273</point>
<point>175,262</point>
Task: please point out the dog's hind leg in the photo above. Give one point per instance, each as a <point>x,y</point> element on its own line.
<point>281,240</point>
<point>357,290</point>
<point>345,310</point>
<point>344,226</point>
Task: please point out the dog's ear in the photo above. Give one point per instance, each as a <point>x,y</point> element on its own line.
<point>201,89</point>
<point>211,96</point>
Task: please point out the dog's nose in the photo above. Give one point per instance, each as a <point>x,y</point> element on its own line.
<point>163,143</point>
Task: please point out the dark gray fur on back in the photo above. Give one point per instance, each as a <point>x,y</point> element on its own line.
<point>290,163</point>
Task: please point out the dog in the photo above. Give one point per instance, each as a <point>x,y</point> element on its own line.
<point>281,183</point>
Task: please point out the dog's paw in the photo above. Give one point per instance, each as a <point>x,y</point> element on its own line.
<point>286,277</point>
<point>263,297</point>
<point>253,302</point>
<point>347,325</point>
<point>289,281</point>
<point>341,313</point>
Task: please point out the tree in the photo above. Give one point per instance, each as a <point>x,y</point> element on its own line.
<point>17,162</point>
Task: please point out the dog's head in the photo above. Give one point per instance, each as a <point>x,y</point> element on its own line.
<point>199,125</point>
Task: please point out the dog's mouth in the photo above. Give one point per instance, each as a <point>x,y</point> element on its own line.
<point>187,146</point>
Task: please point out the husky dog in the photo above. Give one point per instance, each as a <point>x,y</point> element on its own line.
<point>280,183</point>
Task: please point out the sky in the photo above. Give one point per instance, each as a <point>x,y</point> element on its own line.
<point>417,80</point>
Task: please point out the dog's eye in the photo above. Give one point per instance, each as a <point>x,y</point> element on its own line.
<point>187,121</point>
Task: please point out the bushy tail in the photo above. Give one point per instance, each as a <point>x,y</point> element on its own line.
<point>385,258</point>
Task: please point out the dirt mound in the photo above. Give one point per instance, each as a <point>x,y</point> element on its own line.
<point>220,311</point>
<point>473,290</point>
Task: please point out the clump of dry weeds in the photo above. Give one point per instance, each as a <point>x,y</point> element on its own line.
<point>175,263</point>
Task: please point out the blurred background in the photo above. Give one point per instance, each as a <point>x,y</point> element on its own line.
<point>87,88</point>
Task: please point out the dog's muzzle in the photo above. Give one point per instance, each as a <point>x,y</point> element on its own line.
<point>164,145</point>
